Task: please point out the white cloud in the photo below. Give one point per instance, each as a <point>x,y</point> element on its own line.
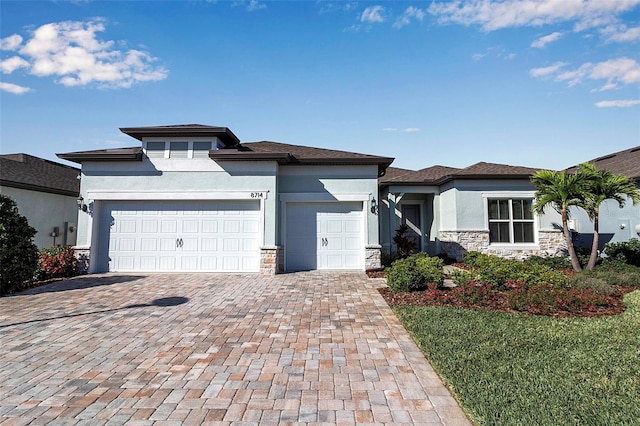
<point>478,56</point>
<point>255,5</point>
<point>13,88</point>
<point>620,33</point>
<point>71,51</point>
<point>544,40</point>
<point>545,71</point>
<point>373,15</point>
<point>10,43</point>
<point>411,130</point>
<point>390,129</point>
<point>615,71</point>
<point>493,15</point>
<point>618,104</point>
<point>9,65</point>
<point>409,14</point>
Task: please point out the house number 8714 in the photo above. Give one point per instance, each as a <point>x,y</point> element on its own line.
<point>257,195</point>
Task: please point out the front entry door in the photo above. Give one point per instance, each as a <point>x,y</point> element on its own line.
<point>411,217</point>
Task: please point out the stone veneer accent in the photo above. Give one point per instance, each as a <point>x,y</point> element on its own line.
<point>372,259</point>
<point>271,260</point>
<point>455,243</point>
<point>83,254</point>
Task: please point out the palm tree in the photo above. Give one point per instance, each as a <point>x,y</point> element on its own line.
<point>605,186</point>
<point>561,190</point>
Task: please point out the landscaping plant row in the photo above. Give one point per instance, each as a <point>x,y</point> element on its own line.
<point>491,282</point>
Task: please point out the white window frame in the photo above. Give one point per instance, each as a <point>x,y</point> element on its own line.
<point>510,196</point>
<point>215,144</point>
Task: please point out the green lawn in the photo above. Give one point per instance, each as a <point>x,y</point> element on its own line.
<point>511,369</point>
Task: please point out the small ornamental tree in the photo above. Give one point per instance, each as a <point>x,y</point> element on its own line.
<point>605,186</point>
<point>404,244</point>
<point>18,253</point>
<point>561,190</point>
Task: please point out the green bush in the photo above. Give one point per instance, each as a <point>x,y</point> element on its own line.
<point>625,252</point>
<point>461,277</point>
<point>587,281</point>
<point>431,269</point>
<point>18,253</point>
<point>553,262</point>
<point>57,262</point>
<point>403,275</point>
<point>498,271</point>
<point>414,273</point>
<point>629,277</point>
<point>470,257</point>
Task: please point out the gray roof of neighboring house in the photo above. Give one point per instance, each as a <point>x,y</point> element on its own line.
<point>28,172</point>
<point>437,175</point>
<point>626,163</point>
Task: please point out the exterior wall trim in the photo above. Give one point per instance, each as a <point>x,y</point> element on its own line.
<point>323,197</point>
<point>191,195</point>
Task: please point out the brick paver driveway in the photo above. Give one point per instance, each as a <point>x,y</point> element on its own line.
<point>304,348</point>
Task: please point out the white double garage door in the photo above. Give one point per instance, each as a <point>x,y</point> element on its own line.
<point>225,236</point>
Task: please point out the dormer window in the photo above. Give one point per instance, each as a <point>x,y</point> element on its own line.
<point>179,149</point>
<point>201,149</point>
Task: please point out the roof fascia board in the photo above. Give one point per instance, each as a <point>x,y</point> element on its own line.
<point>29,187</point>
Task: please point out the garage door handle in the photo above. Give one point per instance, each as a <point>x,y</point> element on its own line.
<point>325,242</point>
<point>179,242</point>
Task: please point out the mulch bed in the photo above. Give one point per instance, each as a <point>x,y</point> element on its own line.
<point>418,298</point>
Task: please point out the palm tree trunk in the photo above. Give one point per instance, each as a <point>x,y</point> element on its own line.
<point>596,241</point>
<point>567,236</point>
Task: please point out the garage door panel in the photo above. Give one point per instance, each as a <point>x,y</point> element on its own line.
<point>182,235</point>
<point>127,244</point>
<point>336,228</point>
<point>190,226</point>
<point>148,244</point>
<point>149,226</point>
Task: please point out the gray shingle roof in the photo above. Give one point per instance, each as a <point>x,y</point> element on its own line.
<point>437,175</point>
<point>626,163</point>
<point>34,173</point>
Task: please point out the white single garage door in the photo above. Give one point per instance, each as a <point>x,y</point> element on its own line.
<point>324,236</point>
<point>207,236</point>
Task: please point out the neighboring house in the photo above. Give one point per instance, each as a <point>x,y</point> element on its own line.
<point>193,198</point>
<point>45,193</point>
<point>616,224</point>
<point>485,207</point>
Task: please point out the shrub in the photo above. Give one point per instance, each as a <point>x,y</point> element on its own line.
<point>403,275</point>
<point>625,252</point>
<point>543,299</point>
<point>430,268</point>
<point>474,293</point>
<point>18,253</point>
<point>586,281</point>
<point>553,262</point>
<point>470,257</point>
<point>497,271</point>
<point>415,272</point>
<point>404,244</point>
<point>57,262</point>
<point>629,276</point>
<point>461,277</point>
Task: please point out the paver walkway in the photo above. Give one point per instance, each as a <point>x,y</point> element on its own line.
<point>303,348</point>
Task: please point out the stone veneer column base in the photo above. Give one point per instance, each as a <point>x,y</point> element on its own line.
<point>83,254</point>
<point>455,243</point>
<point>372,259</point>
<point>271,260</point>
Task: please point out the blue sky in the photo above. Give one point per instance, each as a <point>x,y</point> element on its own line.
<point>540,83</point>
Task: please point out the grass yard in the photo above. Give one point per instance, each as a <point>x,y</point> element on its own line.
<point>513,369</point>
